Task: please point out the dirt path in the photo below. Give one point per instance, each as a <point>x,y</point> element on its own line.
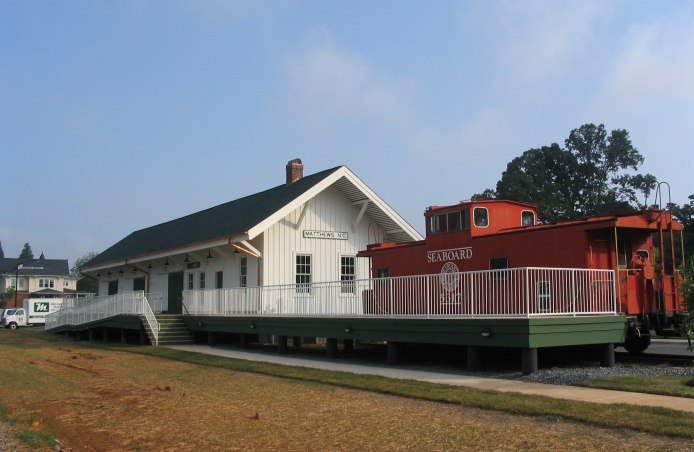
<point>99,400</point>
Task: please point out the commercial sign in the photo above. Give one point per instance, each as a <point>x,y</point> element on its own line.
<point>41,307</point>
<point>455,254</point>
<point>325,235</point>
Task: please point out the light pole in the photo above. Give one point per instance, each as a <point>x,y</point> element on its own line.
<point>16,278</point>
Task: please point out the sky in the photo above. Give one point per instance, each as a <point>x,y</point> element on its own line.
<point>116,116</point>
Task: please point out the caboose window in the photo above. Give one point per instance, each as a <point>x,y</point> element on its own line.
<point>527,218</point>
<point>481,216</point>
<point>622,253</point>
<point>499,263</point>
<point>544,296</point>
<point>448,222</point>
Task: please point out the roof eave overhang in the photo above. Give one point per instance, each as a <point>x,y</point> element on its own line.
<point>170,251</point>
<point>401,225</point>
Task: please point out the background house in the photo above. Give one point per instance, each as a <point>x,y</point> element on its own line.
<point>308,229</point>
<point>39,278</point>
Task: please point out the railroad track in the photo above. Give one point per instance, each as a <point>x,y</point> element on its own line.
<point>655,359</point>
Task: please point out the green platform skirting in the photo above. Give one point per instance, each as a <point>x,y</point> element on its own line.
<point>535,332</point>
<point>127,322</point>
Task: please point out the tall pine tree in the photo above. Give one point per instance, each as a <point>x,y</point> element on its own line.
<point>2,253</point>
<point>26,252</point>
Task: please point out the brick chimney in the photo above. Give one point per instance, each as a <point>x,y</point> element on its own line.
<point>295,171</point>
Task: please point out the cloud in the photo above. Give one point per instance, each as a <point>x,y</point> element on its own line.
<point>327,84</point>
<point>550,35</point>
<point>536,40</point>
<point>655,69</point>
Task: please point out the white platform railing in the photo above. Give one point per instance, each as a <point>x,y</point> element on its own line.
<point>79,310</point>
<point>522,292</point>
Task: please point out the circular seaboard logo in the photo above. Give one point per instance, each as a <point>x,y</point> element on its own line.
<point>450,279</point>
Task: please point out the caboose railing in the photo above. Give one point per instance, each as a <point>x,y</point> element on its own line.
<point>520,292</point>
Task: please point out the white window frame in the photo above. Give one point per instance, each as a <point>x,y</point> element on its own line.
<point>243,271</point>
<point>544,298</point>
<point>191,281</point>
<point>297,285</point>
<point>473,217</point>
<point>534,218</point>
<point>66,283</point>
<point>353,291</point>
<point>202,280</point>
<point>45,283</point>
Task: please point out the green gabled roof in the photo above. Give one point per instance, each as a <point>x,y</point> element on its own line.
<point>224,220</point>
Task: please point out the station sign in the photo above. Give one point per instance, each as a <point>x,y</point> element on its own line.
<point>325,235</point>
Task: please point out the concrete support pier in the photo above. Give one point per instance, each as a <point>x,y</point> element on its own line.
<point>143,336</point>
<point>123,336</point>
<point>607,355</point>
<point>529,364</point>
<point>474,358</point>
<point>92,334</point>
<point>282,345</point>
<point>331,347</point>
<point>394,353</point>
<point>210,339</point>
<point>245,340</point>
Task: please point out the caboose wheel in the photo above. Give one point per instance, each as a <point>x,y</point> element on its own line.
<point>635,344</point>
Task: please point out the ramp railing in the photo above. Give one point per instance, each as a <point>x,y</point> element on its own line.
<point>80,310</point>
<point>522,292</point>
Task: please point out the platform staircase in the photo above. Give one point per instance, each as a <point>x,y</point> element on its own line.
<point>172,330</point>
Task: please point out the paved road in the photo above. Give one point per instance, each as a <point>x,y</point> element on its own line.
<point>667,347</point>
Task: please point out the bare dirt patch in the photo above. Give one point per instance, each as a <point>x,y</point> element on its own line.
<point>108,400</point>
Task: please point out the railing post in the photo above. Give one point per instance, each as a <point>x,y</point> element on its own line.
<point>472,295</point>
<point>428,297</point>
<point>615,276</point>
<point>527,293</point>
<point>573,291</point>
<point>390,295</point>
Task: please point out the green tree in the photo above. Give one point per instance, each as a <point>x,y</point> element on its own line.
<point>2,253</point>
<point>584,178</point>
<point>685,215</point>
<point>26,252</point>
<point>9,294</point>
<point>84,284</point>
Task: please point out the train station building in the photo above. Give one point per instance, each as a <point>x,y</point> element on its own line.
<point>307,230</point>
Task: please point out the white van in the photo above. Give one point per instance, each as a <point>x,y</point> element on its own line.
<point>32,312</point>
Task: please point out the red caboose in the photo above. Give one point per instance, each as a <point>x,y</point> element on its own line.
<point>494,235</point>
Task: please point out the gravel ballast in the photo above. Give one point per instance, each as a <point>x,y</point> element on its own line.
<point>573,376</point>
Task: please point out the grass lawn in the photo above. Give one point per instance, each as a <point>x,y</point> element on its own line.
<point>97,396</point>
<point>671,386</point>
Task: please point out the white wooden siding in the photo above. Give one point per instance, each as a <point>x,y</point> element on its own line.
<point>328,211</point>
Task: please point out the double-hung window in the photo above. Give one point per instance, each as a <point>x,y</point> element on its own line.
<point>243,279</point>
<point>202,280</point>
<point>191,281</point>
<point>303,273</point>
<point>347,273</point>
